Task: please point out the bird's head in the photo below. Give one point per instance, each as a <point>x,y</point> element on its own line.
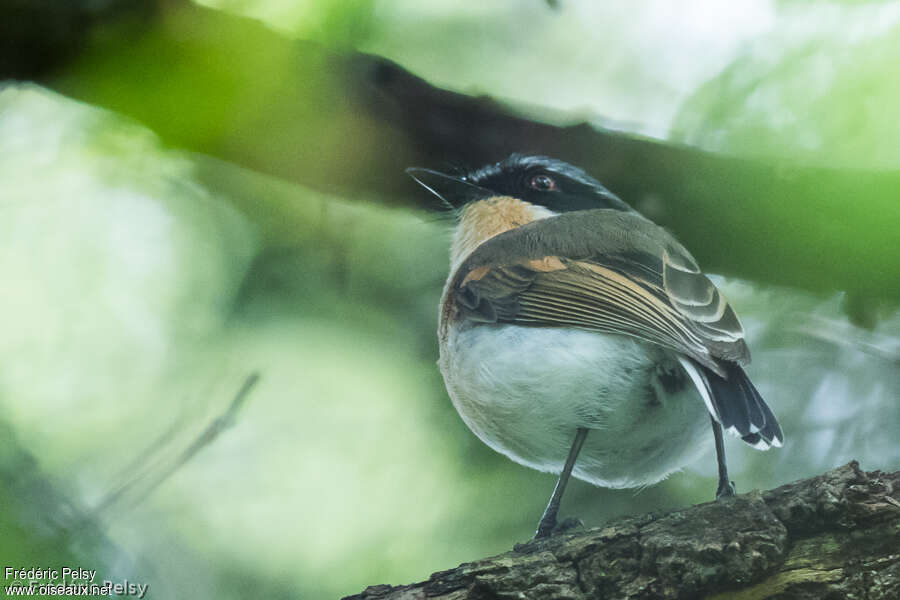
<point>538,180</point>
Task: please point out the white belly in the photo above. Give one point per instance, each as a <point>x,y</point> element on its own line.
<point>525,390</point>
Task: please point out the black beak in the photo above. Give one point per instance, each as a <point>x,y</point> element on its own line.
<point>454,192</point>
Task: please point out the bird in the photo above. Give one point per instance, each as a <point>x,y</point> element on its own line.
<point>577,337</point>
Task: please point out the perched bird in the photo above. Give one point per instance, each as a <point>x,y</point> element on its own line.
<point>577,337</point>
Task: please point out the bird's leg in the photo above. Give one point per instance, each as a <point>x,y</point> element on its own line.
<point>726,487</point>
<point>548,520</point>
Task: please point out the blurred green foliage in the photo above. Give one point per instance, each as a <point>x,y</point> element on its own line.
<point>336,23</point>
<point>144,283</point>
<point>821,88</point>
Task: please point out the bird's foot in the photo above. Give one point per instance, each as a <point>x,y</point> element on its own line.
<point>568,525</point>
<point>548,529</point>
<point>726,490</point>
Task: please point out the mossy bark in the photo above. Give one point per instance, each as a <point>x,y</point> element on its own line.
<point>833,536</point>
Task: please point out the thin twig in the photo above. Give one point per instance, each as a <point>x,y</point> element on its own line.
<point>206,437</point>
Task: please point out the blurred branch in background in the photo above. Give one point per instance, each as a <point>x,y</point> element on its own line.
<point>840,333</point>
<point>38,37</point>
<point>229,87</point>
<point>138,470</point>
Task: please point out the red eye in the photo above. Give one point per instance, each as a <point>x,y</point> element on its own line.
<point>542,183</point>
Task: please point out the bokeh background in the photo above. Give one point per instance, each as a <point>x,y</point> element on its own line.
<point>159,245</point>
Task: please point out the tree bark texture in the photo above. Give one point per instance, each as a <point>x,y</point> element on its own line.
<point>835,536</point>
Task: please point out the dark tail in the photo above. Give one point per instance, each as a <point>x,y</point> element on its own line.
<point>735,403</point>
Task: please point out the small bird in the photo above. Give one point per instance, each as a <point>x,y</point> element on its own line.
<point>578,337</point>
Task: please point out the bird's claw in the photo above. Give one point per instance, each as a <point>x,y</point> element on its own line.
<point>568,525</point>
<point>548,529</point>
<point>726,490</point>
<point>551,528</point>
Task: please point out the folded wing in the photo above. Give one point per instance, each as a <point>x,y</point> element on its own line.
<point>621,275</point>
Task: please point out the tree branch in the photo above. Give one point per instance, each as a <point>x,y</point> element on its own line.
<point>351,123</point>
<point>833,536</point>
